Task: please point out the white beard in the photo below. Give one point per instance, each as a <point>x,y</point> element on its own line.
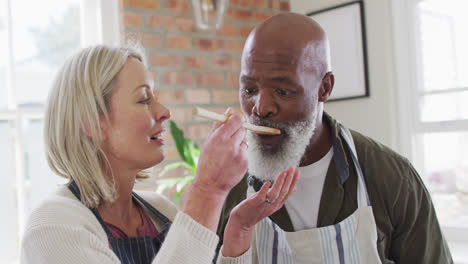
<point>265,162</point>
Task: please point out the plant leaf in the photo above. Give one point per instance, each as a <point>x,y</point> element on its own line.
<point>179,139</point>
<point>174,165</point>
<point>178,182</point>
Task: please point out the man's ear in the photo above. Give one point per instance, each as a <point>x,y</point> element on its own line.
<point>328,81</point>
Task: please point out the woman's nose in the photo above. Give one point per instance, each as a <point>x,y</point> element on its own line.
<point>161,113</point>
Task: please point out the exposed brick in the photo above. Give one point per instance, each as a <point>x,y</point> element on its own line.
<point>195,61</point>
<point>177,78</point>
<point>165,59</point>
<point>284,6</point>
<point>170,96</point>
<point>181,114</point>
<point>185,24</point>
<point>159,21</point>
<point>209,61</point>
<point>261,16</point>
<point>199,131</point>
<point>234,45</point>
<point>224,62</point>
<point>178,6</point>
<point>236,63</point>
<point>250,3</point>
<point>274,4</point>
<point>132,19</point>
<point>154,76</point>
<point>229,30</point>
<point>179,42</point>
<point>239,14</point>
<point>205,44</point>
<point>197,96</point>
<point>151,40</point>
<point>145,4</point>
<point>225,96</point>
<point>209,44</point>
<point>233,80</point>
<point>245,31</point>
<point>210,79</point>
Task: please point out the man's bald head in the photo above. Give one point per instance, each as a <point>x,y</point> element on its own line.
<point>294,37</point>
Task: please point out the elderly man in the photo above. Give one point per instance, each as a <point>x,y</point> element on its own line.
<point>357,201</point>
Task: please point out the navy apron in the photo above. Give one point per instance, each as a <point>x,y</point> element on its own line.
<point>133,250</point>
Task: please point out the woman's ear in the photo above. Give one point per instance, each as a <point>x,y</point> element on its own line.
<point>102,126</point>
<point>84,126</point>
<point>326,87</point>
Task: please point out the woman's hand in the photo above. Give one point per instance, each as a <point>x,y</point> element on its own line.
<point>222,164</point>
<point>223,159</point>
<point>265,202</point>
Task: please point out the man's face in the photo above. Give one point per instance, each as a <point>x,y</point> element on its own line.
<point>276,90</point>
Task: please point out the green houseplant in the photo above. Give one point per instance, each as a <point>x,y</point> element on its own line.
<point>189,153</point>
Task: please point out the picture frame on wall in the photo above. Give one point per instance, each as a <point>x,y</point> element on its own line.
<point>345,28</point>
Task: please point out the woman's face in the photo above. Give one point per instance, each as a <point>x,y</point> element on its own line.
<point>132,139</point>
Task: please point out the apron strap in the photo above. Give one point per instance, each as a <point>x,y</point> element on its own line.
<point>153,210</point>
<point>363,197</point>
<point>76,191</point>
<point>166,222</point>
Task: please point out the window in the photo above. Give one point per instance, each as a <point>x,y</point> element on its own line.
<point>35,37</point>
<point>442,129</point>
<point>432,65</point>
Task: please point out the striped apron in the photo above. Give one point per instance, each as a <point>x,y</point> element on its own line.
<point>133,250</point>
<point>353,240</point>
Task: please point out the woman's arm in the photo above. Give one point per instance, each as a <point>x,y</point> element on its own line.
<point>222,164</point>
<point>56,244</point>
<point>186,242</point>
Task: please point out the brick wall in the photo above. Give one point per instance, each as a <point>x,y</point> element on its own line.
<point>192,67</point>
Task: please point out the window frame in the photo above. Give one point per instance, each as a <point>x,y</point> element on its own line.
<point>105,14</point>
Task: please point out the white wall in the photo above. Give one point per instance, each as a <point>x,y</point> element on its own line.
<point>377,115</point>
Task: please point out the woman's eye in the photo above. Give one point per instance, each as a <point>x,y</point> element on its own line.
<point>144,101</point>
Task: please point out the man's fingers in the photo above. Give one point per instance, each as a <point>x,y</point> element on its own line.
<point>292,187</point>
<point>287,183</point>
<point>259,197</point>
<point>273,193</point>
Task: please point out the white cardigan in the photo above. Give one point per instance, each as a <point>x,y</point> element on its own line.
<point>62,230</point>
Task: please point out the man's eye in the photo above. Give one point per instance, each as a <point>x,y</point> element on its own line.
<point>249,90</point>
<point>285,92</point>
<point>282,92</point>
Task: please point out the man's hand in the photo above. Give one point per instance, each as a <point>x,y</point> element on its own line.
<point>265,202</point>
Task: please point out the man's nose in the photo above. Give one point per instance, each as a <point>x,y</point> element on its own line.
<point>265,105</point>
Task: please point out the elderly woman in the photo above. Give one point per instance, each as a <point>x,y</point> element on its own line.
<point>103,127</point>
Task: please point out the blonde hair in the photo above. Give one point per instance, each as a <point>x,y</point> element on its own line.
<point>79,98</point>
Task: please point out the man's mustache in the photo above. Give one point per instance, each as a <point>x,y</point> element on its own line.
<point>269,123</point>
